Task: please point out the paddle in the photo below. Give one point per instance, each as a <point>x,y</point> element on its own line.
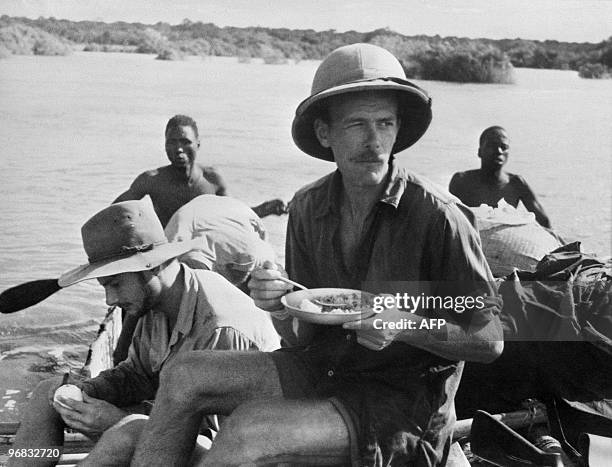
<point>27,294</point>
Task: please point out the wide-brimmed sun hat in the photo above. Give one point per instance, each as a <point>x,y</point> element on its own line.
<point>124,237</point>
<point>361,67</point>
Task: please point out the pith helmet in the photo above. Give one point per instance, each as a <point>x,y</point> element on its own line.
<point>361,67</point>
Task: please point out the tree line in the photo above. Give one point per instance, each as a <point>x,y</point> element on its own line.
<point>423,57</point>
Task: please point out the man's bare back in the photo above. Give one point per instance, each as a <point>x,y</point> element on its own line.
<point>174,185</point>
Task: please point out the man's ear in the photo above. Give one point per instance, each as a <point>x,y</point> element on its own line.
<point>321,130</point>
<point>479,153</point>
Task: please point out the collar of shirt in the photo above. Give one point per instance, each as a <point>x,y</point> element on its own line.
<point>395,186</point>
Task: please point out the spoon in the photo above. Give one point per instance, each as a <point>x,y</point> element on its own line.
<point>295,284</point>
<point>315,300</point>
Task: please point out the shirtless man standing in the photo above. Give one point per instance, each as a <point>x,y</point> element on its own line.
<point>491,182</point>
<point>174,185</point>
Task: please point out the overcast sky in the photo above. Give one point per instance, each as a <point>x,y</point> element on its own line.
<point>564,20</point>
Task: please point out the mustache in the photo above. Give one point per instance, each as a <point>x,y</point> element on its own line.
<point>369,157</point>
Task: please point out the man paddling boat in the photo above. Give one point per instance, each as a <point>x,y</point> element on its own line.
<point>174,185</point>
<point>491,182</point>
<point>180,309</point>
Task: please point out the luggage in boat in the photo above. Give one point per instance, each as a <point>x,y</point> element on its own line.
<point>511,238</point>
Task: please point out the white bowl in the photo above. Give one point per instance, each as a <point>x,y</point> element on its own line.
<point>292,302</point>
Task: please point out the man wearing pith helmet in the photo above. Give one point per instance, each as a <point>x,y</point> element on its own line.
<point>355,394</point>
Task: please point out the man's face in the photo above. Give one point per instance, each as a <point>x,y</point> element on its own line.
<point>361,133</point>
<point>494,150</point>
<point>181,146</point>
<point>131,291</point>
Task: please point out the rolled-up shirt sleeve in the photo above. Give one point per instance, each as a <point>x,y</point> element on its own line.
<point>129,382</point>
<point>230,339</point>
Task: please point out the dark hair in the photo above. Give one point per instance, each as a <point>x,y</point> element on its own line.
<point>182,120</point>
<point>488,131</point>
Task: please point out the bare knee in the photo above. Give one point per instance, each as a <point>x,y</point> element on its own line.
<point>42,391</point>
<point>123,436</point>
<point>181,381</point>
<point>117,444</point>
<point>241,433</point>
<point>40,404</point>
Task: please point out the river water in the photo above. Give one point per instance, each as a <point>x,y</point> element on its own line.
<point>76,130</point>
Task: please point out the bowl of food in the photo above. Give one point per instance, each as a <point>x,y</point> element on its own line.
<point>328,305</point>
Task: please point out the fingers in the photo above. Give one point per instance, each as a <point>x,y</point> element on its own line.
<point>266,270</point>
<point>276,206</point>
<point>357,324</point>
<point>280,207</point>
<point>369,344</point>
<point>266,289</point>
<point>71,417</point>
<point>267,277</point>
<point>365,322</point>
<point>69,404</point>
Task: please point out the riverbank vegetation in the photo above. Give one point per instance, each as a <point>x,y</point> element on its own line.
<point>423,57</point>
<point>19,39</point>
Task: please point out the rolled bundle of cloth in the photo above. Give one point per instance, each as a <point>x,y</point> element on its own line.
<point>511,237</point>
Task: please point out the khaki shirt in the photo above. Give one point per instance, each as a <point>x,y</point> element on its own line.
<point>213,315</point>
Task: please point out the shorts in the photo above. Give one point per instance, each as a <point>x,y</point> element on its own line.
<point>388,424</point>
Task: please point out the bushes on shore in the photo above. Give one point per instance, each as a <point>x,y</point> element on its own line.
<point>448,61</point>
<point>424,57</point>
<point>601,64</point>
<point>594,70</point>
<point>20,39</point>
<point>170,54</point>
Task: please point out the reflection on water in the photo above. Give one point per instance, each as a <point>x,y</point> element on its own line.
<point>76,130</point>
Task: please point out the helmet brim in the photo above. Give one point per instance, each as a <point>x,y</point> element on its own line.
<point>414,113</point>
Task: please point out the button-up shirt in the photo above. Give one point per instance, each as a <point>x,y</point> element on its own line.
<point>213,314</point>
<point>419,234</point>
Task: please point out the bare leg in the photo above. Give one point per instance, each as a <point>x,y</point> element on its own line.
<point>41,426</point>
<point>116,446</point>
<point>267,432</point>
<point>197,383</point>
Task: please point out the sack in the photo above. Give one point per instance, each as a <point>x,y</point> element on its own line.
<point>511,238</point>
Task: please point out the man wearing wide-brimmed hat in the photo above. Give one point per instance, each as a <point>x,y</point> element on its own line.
<point>355,394</point>
<point>233,243</point>
<point>180,309</point>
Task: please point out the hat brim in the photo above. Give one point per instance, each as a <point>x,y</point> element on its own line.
<point>141,261</point>
<point>414,112</point>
